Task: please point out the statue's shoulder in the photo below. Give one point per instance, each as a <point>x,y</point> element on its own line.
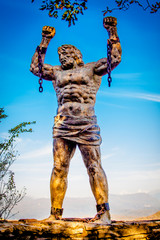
<point>57,68</point>
<point>90,65</point>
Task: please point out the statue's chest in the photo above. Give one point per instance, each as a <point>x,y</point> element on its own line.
<point>75,76</point>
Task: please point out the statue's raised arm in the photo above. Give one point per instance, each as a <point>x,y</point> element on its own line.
<point>110,24</point>
<point>47,70</point>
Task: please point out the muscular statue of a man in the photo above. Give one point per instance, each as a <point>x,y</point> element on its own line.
<point>76,85</point>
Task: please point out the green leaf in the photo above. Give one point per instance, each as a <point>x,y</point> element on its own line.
<point>42,8</point>
<point>2,115</point>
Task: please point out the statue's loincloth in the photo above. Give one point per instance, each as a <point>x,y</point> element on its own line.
<point>84,130</point>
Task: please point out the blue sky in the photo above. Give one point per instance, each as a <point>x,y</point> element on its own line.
<point>128,112</point>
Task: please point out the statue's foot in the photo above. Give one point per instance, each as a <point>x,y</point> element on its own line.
<point>56,214</point>
<point>102,218</point>
<point>52,218</point>
<point>103,215</point>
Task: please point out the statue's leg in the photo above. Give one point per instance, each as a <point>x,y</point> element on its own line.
<point>98,181</point>
<point>63,151</point>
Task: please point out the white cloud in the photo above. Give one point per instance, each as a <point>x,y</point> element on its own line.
<point>114,152</point>
<point>156,164</point>
<point>149,97</point>
<point>127,182</point>
<point>45,151</point>
<point>4,135</point>
<point>136,174</point>
<point>108,156</point>
<point>32,168</point>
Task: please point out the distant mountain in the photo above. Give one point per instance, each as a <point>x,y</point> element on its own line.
<point>155,216</point>
<point>40,208</point>
<point>134,205</point>
<point>123,207</point>
<point>155,194</point>
<point>32,208</point>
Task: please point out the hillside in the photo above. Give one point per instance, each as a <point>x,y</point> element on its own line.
<point>154,216</point>
<point>123,207</point>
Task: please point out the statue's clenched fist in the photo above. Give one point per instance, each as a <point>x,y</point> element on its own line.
<point>109,22</point>
<point>48,32</point>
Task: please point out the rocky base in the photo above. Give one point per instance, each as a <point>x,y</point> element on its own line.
<point>31,229</point>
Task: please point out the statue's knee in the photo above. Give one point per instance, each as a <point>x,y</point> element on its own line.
<point>93,168</point>
<point>60,171</point>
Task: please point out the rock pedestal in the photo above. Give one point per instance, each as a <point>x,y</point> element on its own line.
<point>58,230</point>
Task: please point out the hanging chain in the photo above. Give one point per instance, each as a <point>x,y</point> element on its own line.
<point>109,47</point>
<point>40,65</point>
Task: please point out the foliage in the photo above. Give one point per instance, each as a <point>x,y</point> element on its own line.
<point>9,195</point>
<point>70,9</point>
<point>125,4</point>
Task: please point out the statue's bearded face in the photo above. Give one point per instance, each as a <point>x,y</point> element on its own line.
<point>66,59</point>
<point>69,57</point>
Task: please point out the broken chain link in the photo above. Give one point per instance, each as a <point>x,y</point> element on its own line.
<point>40,65</point>
<point>109,59</point>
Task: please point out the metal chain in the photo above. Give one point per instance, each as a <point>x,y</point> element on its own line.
<point>109,47</point>
<point>40,65</point>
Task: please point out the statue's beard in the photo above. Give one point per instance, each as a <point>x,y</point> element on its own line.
<point>67,63</point>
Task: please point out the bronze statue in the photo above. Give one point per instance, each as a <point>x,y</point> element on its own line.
<point>76,85</point>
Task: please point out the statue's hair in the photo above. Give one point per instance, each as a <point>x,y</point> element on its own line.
<point>75,52</point>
